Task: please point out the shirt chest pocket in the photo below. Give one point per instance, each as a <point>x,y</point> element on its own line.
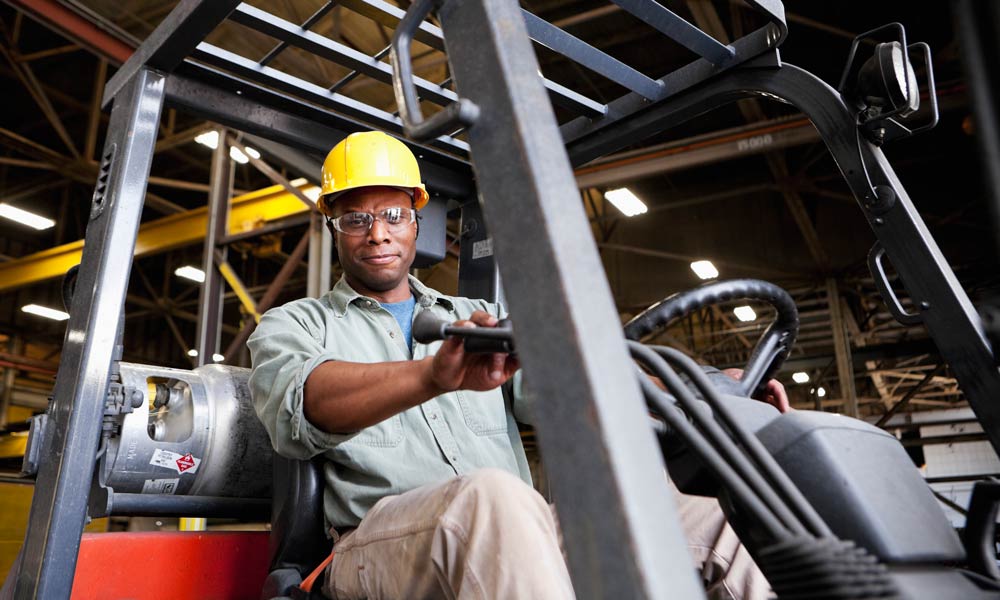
<point>387,434</point>
<point>485,413</point>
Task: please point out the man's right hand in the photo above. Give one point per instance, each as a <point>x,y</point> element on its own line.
<point>344,397</point>
<point>451,368</point>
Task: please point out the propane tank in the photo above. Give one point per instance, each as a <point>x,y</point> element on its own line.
<point>195,433</point>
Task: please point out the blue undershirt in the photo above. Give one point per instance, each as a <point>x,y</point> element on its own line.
<point>403,311</point>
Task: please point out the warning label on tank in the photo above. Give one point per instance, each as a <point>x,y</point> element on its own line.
<point>186,463</point>
<point>182,463</point>
<point>160,486</point>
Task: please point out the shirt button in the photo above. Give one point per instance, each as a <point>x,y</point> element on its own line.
<point>434,417</point>
<point>392,334</point>
<point>454,458</point>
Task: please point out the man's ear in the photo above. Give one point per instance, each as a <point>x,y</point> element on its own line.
<point>413,205</point>
<point>335,256</point>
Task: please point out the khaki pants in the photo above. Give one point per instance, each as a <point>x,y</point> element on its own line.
<point>490,536</point>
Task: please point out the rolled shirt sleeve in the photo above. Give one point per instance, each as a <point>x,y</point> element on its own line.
<point>284,354</point>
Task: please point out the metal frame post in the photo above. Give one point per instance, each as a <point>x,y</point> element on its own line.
<point>9,374</point>
<point>59,506</point>
<point>210,299</point>
<point>842,350</point>
<point>978,25</point>
<point>622,534</point>
<point>478,274</point>
<point>320,250</point>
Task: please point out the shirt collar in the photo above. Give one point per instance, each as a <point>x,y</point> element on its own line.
<point>427,297</point>
<point>343,295</point>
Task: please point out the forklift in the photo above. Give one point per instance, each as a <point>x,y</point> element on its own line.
<point>830,507</point>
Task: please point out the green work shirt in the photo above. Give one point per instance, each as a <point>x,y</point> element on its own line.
<point>450,435</point>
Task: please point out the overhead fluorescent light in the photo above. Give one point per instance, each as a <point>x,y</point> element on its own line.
<point>218,357</point>
<point>192,353</point>
<point>745,314</point>
<point>821,391</point>
<point>800,377</point>
<point>237,155</point>
<point>192,273</point>
<point>704,269</point>
<point>209,138</point>
<point>312,192</point>
<point>24,217</point>
<point>625,201</point>
<point>44,311</point>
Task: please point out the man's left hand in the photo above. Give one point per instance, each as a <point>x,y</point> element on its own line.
<point>774,391</point>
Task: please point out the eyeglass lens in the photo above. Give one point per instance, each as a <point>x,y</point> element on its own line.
<point>394,219</point>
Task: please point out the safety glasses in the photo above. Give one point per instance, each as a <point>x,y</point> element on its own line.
<point>396,220</point>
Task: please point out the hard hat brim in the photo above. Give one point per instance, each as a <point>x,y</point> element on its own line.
<point>419,195</point>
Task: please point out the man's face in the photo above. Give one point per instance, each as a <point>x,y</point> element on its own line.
<point>378,262</point>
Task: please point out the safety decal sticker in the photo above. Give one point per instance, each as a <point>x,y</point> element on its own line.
<point>482,248</point>
<point>160,486</point>
<point>182,463</point>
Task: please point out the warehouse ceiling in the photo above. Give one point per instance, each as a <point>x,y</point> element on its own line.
<point>748,186</point>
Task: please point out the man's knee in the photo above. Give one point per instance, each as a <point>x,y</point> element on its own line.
<point>497,490</point>
<point>498,536</point>
<point>492,481</point>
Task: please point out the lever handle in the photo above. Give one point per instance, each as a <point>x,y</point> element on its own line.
<point>461,113</point>
<point>427,328</point>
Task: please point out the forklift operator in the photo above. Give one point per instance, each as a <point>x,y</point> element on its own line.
<point>428,492</point>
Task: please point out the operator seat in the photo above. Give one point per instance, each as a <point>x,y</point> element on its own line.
<point>298,541</point>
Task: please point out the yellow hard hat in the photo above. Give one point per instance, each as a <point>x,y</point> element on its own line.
<point>370,158</point>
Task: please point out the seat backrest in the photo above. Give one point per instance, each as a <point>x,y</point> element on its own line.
<point>298,540</point>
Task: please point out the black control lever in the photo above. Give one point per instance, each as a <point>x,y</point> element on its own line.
<point>427,328</point>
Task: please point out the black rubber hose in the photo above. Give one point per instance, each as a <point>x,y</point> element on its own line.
<point>748,500</point>
<point>753,446</point>
<point>719,440</point>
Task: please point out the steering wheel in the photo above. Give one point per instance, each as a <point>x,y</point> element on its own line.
<point>773,346</point>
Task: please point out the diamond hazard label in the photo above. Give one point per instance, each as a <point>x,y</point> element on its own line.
<point>181,463</point>
<point>185,462</point>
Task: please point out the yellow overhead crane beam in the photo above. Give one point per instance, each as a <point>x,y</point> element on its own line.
<point>247,212</point>
<point>12,445</point>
